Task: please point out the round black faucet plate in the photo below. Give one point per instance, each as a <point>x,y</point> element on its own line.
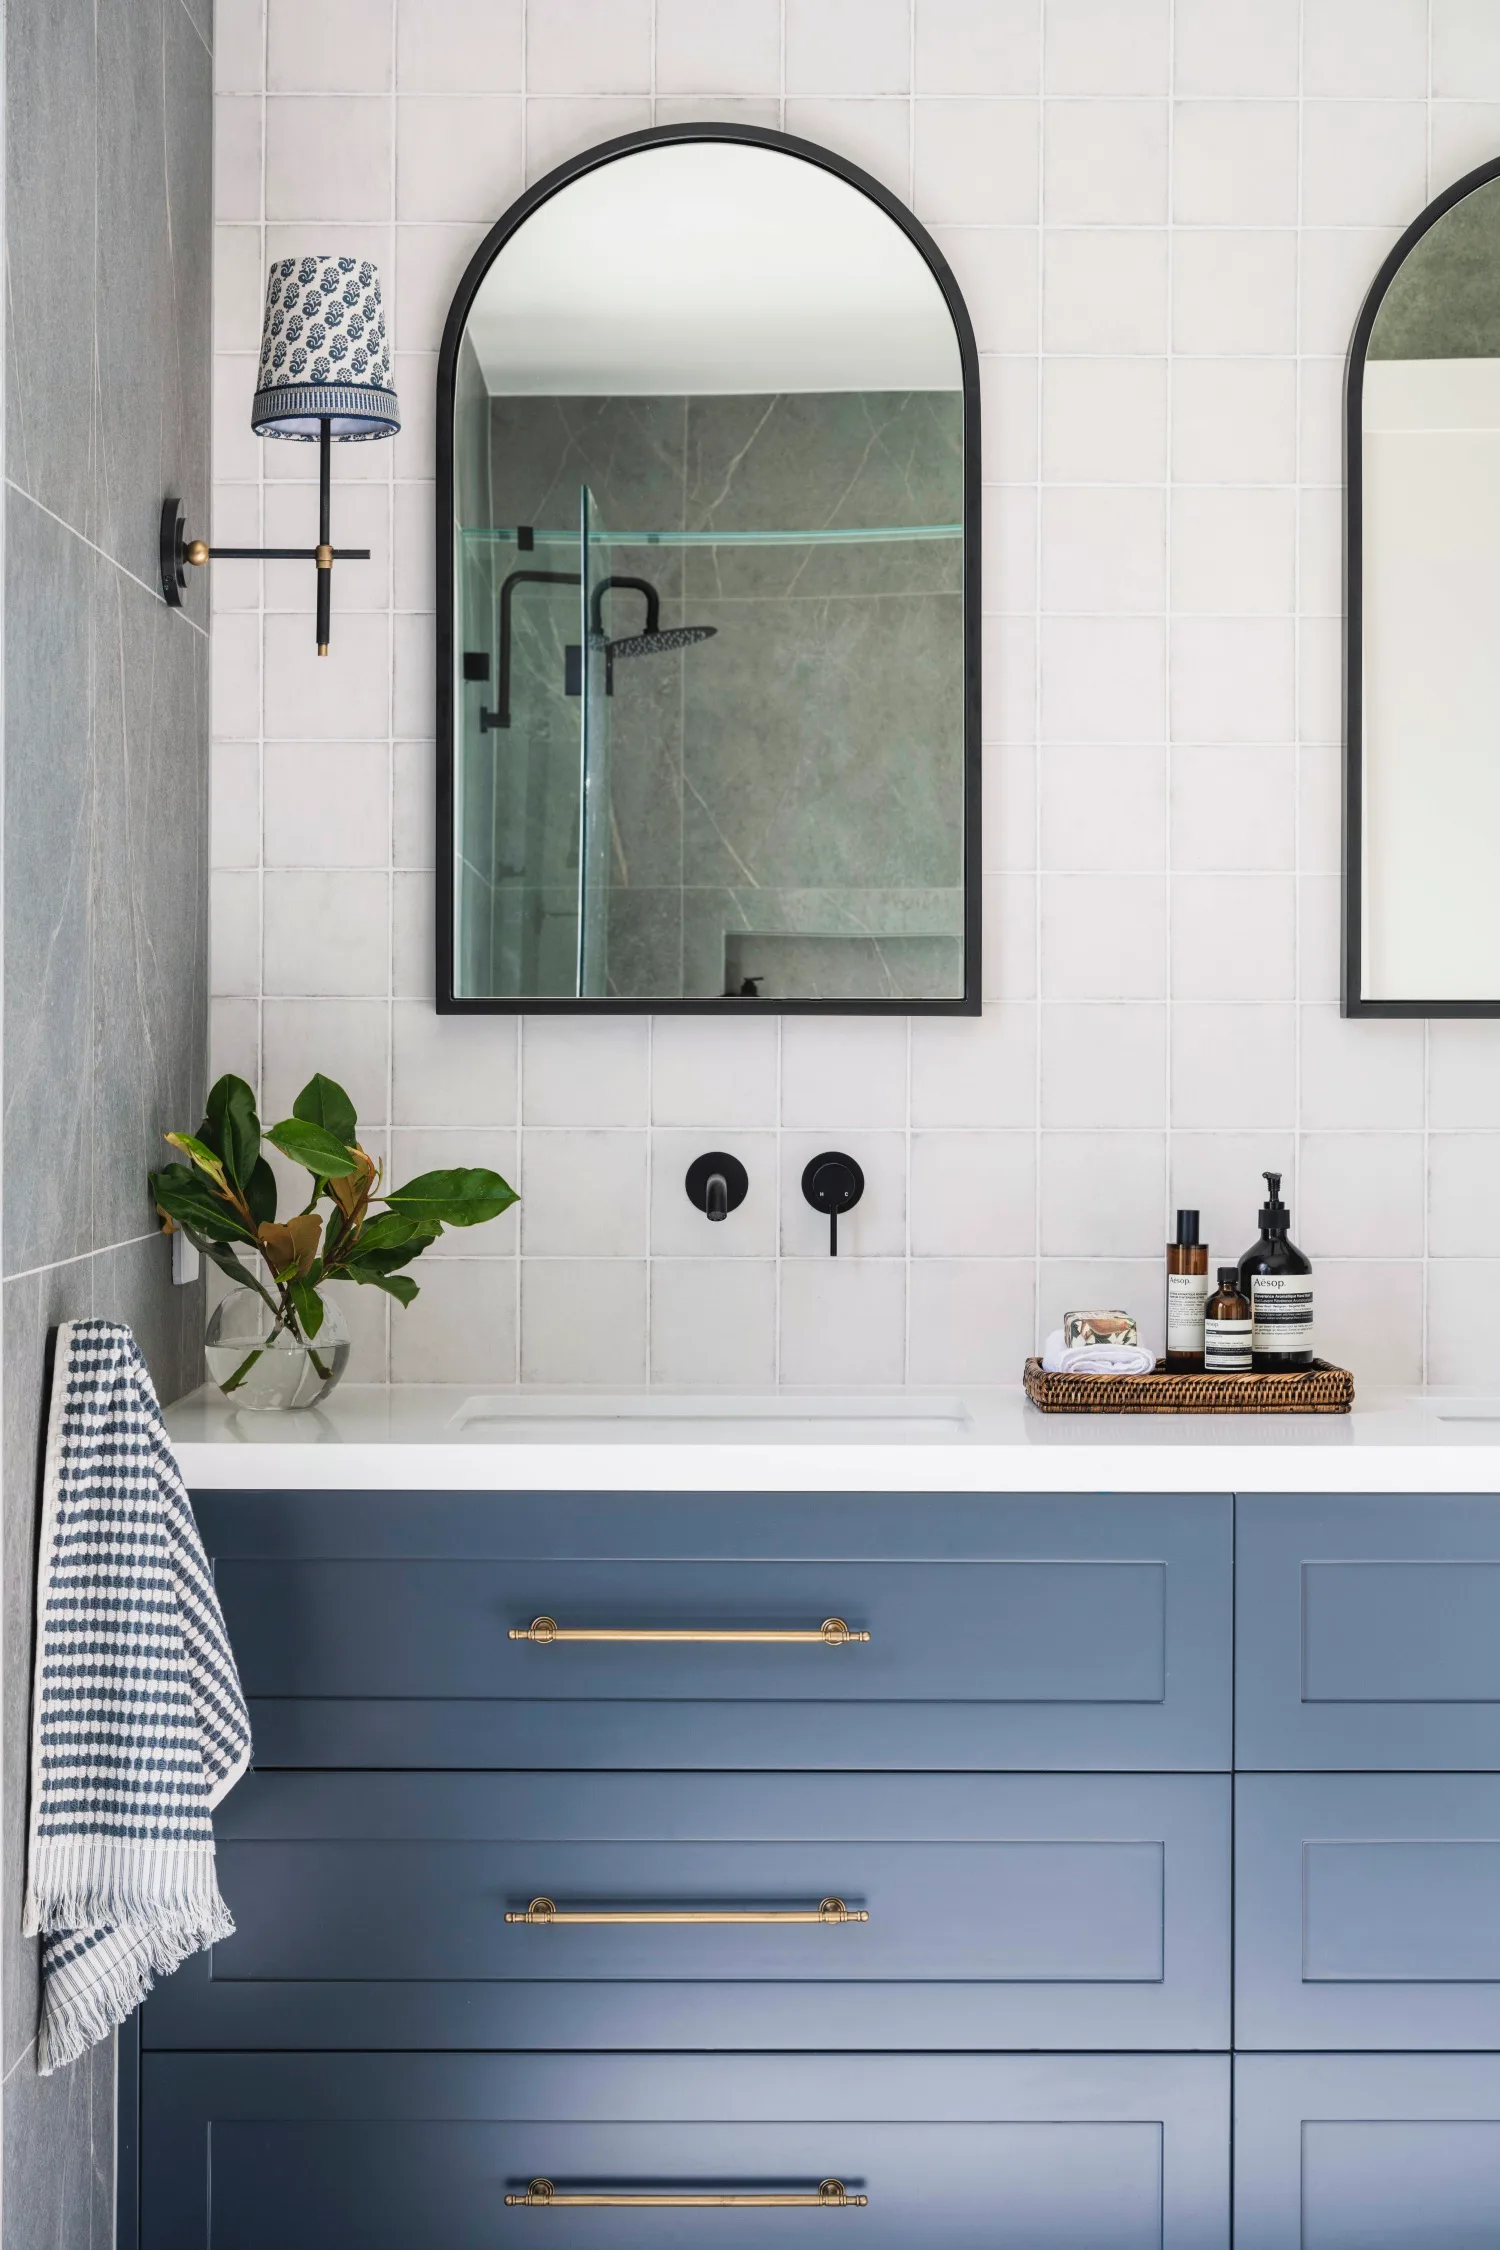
<point>717,1165</point>
<point>833,1183</point>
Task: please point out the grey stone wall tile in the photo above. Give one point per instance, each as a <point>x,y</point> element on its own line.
<point>153,250</point>
<point>105,921</point>
<point>49,2126</point>
<point>50,386</point>
<point>148,893</point>
<point>47,922</point>
<point>29,1309</point>
<point>133,1284</point>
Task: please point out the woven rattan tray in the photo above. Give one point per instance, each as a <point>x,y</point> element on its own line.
<point>1319,1389</point>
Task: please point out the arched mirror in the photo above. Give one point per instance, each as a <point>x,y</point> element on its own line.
<point>1422,775</point>
<point>708,601</point>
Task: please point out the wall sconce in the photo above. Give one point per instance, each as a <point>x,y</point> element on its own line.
<point>325,373</point>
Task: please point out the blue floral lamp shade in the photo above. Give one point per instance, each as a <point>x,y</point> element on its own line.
<point>325,355</point>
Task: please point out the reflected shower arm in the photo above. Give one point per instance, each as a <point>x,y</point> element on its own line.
<point>632,585</point>
<point>500,716</point>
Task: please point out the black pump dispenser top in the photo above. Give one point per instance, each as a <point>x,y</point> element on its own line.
<point>1187,1230</point>
<point>1274,1217</point>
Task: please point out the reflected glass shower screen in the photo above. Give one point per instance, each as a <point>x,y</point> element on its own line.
<point>594,841</point>
<point>518,777</point>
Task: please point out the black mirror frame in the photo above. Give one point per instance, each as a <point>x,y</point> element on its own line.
<point>450,1002</point>
<point>1353,1003</point>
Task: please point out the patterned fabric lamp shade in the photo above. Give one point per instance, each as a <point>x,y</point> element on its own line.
<point>325,355</point>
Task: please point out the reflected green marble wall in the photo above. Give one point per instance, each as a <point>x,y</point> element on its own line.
<point>1444,303</point>
<point>797,777</point>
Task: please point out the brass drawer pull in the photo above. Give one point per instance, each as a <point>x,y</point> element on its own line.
<point>542,1914</point>
<point>830,2195</point>
<point>833,1633</point>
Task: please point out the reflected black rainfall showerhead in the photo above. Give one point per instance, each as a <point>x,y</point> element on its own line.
<point>658,644</point>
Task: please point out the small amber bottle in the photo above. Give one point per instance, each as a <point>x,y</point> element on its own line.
<point>1187,1287</point>
<point>1227,1327</point>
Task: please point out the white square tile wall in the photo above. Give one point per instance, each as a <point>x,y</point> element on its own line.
<point>1164,214</point>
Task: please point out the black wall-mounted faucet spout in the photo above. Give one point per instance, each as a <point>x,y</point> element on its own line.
<point>717,1183</point>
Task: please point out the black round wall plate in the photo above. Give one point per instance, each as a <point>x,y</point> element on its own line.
<point>729,1168</point>
<point>833,1182</point>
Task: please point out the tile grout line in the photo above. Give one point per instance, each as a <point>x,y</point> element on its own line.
<point>1169,742</point>
<point>94,548</point>
<point>260,478</point>
<point>1038,979</point>
<point>385,1306</point>
<point>907,1175</point>
<point>80,1257</point>
<point>1424,1365</point>
<point>1297,523</point>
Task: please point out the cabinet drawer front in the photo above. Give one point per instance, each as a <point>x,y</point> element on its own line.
<point>1366,2152</point>
<point>1084,1633</point>
<point>384,2152</point>
<point>1017,1911</point>
<point>1366,1910</point>
<point>1368,1632</point>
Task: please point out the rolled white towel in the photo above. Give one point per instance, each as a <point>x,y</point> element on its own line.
<point>1094,1359</point>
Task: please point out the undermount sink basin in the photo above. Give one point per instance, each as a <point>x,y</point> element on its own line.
<point>739,1414</point>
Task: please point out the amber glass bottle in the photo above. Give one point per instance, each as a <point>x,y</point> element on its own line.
<point>1187,1292</point>
<point>1227,1327</point>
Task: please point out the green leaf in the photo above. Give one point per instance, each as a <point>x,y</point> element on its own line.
<point>392,1228</point>
<point>463,1198</point>
<point>231,1127</point>
<point>203,1157</point>
<point>309,1306</point>
<point>395,1285</point>
<point>226,1261</point>
<point>382,1261</point>
<point>314,1147</point>
<point>323,1102</point>
<point>260,1192</point>
<point>222,1256</point>
<point>188,1198</point>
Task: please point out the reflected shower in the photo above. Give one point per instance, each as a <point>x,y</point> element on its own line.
<point>652,642</point>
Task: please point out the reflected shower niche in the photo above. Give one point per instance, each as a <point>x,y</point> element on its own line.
<point>709,714</point>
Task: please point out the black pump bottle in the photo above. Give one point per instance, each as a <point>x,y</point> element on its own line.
<point>1277,1279</point>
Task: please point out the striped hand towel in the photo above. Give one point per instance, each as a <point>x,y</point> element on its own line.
<point>138,1723</point>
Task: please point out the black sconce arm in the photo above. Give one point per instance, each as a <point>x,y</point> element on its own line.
<point>178,552</point>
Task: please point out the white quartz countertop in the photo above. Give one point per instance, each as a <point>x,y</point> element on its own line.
<point>373,1437</point>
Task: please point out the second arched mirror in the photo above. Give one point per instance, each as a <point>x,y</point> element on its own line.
<point>708,594</point>
<point>1422,829</point>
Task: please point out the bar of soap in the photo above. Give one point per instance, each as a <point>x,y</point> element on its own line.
<point>1098,1328</point>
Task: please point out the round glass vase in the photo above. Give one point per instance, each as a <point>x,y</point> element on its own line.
<point>261,1361</point>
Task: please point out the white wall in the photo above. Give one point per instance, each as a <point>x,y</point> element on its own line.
<point>1164,213</point>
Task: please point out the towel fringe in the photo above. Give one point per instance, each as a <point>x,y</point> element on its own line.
<point>71,2025</point>
<point>131,1647</point>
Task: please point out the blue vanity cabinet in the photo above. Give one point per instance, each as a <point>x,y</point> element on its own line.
<point>1368,1632</point>
<point>418,2152</point>
<point>1005,1633</point>
<point>1059,1911</point>
<point>1367,1910</point>
<point>1021,1776</point>
<point>1366,2152</point>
